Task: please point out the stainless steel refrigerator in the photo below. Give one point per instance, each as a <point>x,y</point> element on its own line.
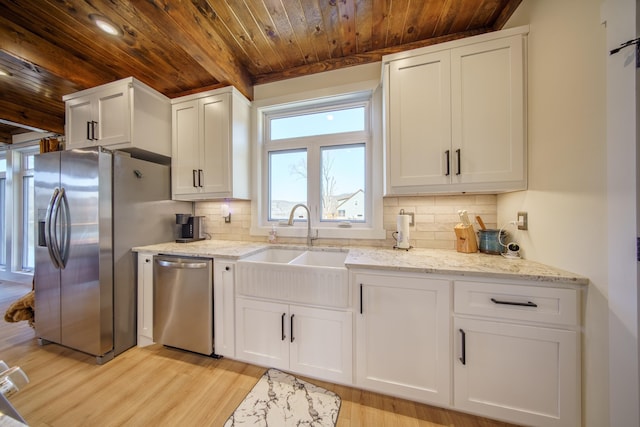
<point>92,207</point>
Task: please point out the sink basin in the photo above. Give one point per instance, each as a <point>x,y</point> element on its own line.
<point>320,259</point>
<point>275,255</point>
<point>301,276</point>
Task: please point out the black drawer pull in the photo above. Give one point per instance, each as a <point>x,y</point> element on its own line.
<point>446,153</point>
<point>523,304</point>
<point>282,326</point>
<point>291,325</point>
<point>360,298</point>
<point>463,359</point>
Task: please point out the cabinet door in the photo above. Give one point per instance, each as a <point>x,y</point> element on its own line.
<point>224,308</point>
<point>145,299</point>
<point>524,374</point>
<point>113,115</point>
<point>419,120</point>
<point>403,337</point>
<point>185,160</point>
<point>262,333</point>
<point>487,87</point>
<point>321,343</point>
<point>216,141</point>
<point>79,113</point>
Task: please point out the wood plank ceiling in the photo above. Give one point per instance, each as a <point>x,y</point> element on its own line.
<point>50,48</point>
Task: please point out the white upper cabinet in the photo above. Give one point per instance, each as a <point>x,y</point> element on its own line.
<point>210,146</point>
<point>420,120</point>
<point>455,116</point>
<point>125,115</point>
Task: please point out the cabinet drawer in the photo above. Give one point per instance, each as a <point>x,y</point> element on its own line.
<point>515,302</point>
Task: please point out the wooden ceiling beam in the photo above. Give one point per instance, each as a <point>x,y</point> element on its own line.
<point>363,58</point>
<point>199,37</point>
<point>26,46</point>
<point>20,113</point>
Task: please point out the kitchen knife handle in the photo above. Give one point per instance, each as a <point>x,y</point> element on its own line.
<point>459,167</point>
<point>448,160</point>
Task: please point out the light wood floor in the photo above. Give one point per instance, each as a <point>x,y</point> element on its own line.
<point>157,386</point>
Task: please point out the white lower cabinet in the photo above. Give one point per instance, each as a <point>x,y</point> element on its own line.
<point>145,299</point>
<point>509,368</point>
<point>224,307</point>
<point>305,340</point>
<point>403,336</point>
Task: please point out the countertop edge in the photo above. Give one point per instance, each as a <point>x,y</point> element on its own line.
<point>418,260</point>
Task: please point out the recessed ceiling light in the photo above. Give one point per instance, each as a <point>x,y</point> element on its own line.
<point>105,25</point>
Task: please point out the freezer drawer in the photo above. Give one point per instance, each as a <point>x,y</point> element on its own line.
<point>183,303</point>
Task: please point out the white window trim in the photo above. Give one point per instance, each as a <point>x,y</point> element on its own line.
<point>374,228</point>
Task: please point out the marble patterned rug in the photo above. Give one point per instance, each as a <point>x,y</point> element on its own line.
<point>280,399</point>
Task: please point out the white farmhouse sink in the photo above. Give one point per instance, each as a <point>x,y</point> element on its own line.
<point>310,277</point>
<point>320,259</point>
<point>275,255</point>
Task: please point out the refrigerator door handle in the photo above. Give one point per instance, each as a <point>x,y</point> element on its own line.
<point>48,238</point>
<point>66,227</point>
<point>55,244</point>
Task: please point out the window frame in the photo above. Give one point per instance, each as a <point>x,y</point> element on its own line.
<point>372,227</point>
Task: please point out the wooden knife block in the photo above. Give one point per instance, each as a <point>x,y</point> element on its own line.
<point>465,239</point>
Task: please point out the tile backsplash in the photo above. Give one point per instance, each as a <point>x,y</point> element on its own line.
<point>435,217</point>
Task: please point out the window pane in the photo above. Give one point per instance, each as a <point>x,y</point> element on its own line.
<point>342,181</point>
<point>287,182</point>
<point>3,164</point>
<point>322,123</point>
<point>29,162</point>
<point>28,249</point>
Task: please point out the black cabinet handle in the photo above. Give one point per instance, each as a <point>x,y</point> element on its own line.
<point>291,326</point>
<point>522,304</point>
<point>200,177</point>
<point>447,154</point>
<point>282,327</point>
<point>89,131</point>
<point>193,176</point>
<point>360,298</point>
<point>463,359</point>
<point>459,167</point>
<point>227,268</point>
<point>93,131</point>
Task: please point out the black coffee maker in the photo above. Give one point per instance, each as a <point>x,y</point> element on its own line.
<point>190,228</point>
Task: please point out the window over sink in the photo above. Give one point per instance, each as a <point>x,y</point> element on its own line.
<point>320,154</point>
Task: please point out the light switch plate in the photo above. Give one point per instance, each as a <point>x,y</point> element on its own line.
<point>523,221</point>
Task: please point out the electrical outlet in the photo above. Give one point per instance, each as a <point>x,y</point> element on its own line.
<point>523,221</point>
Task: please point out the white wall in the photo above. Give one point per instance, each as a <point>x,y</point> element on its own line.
<point>567,193</point>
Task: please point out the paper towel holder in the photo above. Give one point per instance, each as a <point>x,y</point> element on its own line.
<point>397,235</point>
<point>411,214</point>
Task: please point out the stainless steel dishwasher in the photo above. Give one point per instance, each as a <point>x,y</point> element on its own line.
<point>183,303</point>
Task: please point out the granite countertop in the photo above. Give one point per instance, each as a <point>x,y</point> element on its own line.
<point>441,261</point>
<point>432,261</point>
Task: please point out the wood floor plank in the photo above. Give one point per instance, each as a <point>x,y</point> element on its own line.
<point>159,386</point>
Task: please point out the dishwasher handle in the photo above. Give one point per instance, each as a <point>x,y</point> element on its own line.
<point>181,264</point>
